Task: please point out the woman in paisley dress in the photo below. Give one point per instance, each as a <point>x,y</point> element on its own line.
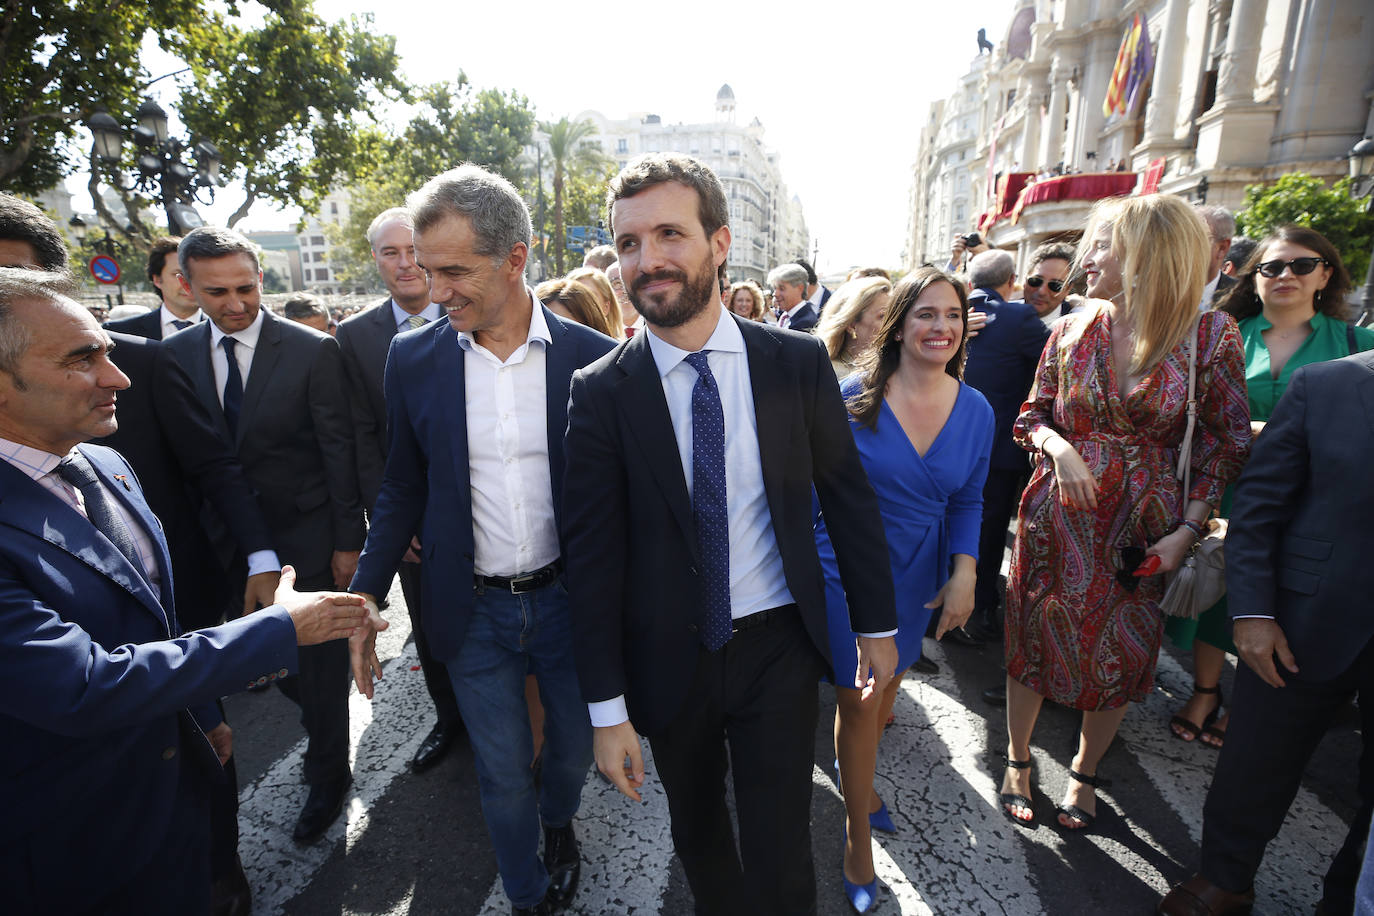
<point>1106,420</point>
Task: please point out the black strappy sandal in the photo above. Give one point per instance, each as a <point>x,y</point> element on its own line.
<point>1192,730</point>
<point>1012,799</point>
<point>1075,812</point>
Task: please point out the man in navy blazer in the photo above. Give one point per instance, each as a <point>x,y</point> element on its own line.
<point>476,410</point>
<point>1001,364</point>
<point>107,771</point>
<point>1298,591</point>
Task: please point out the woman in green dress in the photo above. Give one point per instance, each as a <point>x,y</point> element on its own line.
<point>1290,305</point>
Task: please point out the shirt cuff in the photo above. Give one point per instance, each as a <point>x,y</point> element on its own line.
<point>608,712</point>
<point>877,635</point>
<point>1253,617</point>
<point>262,561</point>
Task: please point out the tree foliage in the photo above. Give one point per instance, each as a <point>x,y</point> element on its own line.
<point>454,123</point>
<point>1305,200</point>
<point>572,158</point>
<point>285,98</point>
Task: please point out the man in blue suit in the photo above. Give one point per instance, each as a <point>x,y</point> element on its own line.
<point>476,411</point>
<point>1001,364</point>
<point>107,767</point>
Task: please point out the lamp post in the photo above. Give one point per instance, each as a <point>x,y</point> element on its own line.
<point>162,172</point>
<point>1362,175</point>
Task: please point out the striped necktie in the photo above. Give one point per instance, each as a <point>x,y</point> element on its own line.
<point>416,321</point>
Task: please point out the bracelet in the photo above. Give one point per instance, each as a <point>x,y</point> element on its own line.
<point>1195,527</point>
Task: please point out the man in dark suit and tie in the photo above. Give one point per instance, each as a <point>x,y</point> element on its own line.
<point>789,294</point>
<point>278,389</point>
<point>693,451</point>
<point>107,770</point>
<point>476,409</point>
<point>364,340</point>
<point>1298,589</point>
<point>817,293</point>
<point>1001,364</point>
<point>178,310</point>
<point>1221,228</point>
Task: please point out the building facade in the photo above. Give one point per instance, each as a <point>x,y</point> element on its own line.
<point>318,272</point>
<point>767,223</point>
<point>1242,92</point>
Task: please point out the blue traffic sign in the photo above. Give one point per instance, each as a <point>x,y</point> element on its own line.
<point>105,269</point>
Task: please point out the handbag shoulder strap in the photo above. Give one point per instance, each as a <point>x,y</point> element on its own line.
<point>1185,448</point>
<point>1350,346</point>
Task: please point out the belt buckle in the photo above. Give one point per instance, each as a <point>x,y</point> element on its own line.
<point>517,583</point>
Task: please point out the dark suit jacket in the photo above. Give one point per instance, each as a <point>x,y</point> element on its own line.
<point>1301,531</point>
<point>1001,364</point>
<point>182,461</point>
<point>826,293</point>
<point>805,319</point>
<point>147,326</point>
<point>295,438</point>
<point>95,724</point>
<point>364,340</point>
<point>627,517</point>
<point>427,466</point>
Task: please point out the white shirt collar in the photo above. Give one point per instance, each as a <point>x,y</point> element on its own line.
<point>248,336</point>
<point>430,312</point>
<point>1209,292</point>
<point>539,328</point>
<point>34,462</point>
<point>816,298</point>
<point>792,313</point>
<point>726,337</point>
<point>168,316</point>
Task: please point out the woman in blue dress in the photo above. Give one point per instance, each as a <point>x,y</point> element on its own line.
<point>924,438</point>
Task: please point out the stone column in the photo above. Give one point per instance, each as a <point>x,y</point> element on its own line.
<point>1162,117</point>
<point>1236,81</point>
<point>1052,139</point>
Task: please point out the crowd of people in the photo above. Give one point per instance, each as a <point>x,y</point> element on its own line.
<point>641,501</point>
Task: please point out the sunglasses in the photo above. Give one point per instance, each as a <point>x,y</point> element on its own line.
<point>1034,283</point>
<point>1301,267</point>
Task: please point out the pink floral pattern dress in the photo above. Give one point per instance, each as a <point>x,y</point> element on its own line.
<point>1074,634</point>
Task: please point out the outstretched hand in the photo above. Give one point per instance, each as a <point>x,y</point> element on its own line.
<point>318,616</point>
<point>362,647</point>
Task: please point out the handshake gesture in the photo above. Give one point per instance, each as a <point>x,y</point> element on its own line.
<point>362,646</point>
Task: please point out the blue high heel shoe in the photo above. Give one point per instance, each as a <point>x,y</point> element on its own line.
<point>877,820</point>
<point>861,896</point>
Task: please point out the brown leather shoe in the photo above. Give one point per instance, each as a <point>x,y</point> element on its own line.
<point>1199,897</point>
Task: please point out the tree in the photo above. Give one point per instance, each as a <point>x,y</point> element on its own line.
<point>1306,200</point>
<point>284,100</point>
<point>572,158</point>
<point>455,123</point>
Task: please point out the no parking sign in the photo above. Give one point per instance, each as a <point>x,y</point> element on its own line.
<point>105,269</point>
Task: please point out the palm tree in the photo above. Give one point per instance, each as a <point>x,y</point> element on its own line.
<point>572,156</point>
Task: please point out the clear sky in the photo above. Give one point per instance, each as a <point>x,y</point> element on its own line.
<point>842,89</point>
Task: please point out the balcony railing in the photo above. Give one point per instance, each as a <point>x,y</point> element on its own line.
<point>1018,190</point>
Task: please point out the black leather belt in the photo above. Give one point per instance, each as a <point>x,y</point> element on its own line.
<point>760,618</point>
<point>518,585</point>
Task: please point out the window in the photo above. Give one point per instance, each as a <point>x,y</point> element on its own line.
<point>622,145</point>
<point>333,208</point>
<point>317,240</point>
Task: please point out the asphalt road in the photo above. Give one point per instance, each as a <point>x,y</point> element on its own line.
<point>417,844</point>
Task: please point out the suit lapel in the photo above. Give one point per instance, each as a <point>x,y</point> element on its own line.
<point>451,391</point>
<point>559,365</point>
<point>640,395</point>
<point>768,384</point>
<point>265,356</point>
<point>202,374</point>
<point>31,508</point>
<point>1366,389</point>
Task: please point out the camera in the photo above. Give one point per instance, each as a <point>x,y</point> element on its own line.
<point>972,240</point>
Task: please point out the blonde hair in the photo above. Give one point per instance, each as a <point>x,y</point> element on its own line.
<point>845,308</point>
<point>1162,245</point>
<point>578,300</point>
<point>755,295</point>
<point>600,287</point>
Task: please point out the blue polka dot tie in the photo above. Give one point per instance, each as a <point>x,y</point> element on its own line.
<point>708,502</point>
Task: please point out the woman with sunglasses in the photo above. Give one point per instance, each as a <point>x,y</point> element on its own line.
<point>1290,306</point>
<point>1107,417</point>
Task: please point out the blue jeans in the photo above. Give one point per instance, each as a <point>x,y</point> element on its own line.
<point>509,637</point>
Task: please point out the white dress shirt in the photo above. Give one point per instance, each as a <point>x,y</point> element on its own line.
<point>41,466</point>
<point>431,312</point>
<point>815,298</point>
<point>1209,293</point>
<point>243,353</point>
<point>757,581</point>
<point>166,317</point>
<point>513,525</point>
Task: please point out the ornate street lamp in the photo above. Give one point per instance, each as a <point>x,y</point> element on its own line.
<point>1362,173</point>
<point>161,171</point>
<point>106,245</point>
